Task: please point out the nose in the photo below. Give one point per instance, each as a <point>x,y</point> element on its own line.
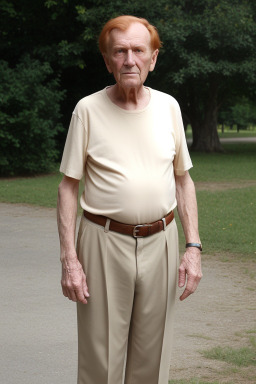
<point>129,59</point>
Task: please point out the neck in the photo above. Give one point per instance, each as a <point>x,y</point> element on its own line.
<point>129,98</point>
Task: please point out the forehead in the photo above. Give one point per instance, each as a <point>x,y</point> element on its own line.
<point>135,34</point>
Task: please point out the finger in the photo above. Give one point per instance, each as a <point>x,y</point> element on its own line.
<point>84,294</point>
<point>191,286</point>
<point>85,290</point>
<point>81,296</point>
<point>85,287</point>
<point>182,276</point>
<point>82,299</point>
<point>193,281</point>
<point>185,294</point>
<point>72,295</point>
<point>67,290</point>
<point>64,291</point>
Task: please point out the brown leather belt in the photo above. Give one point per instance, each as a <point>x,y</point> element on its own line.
<point>140,230</point>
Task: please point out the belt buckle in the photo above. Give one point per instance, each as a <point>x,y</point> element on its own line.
<point>136,229</point>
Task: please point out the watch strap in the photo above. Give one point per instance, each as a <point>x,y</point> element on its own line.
<point>196,245</point>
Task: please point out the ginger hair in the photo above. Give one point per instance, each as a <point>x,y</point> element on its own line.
<point>123,23</point>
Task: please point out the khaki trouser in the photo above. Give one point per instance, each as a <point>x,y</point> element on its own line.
<point>124,332</point>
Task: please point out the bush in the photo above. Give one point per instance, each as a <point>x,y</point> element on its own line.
<point>29,115</point>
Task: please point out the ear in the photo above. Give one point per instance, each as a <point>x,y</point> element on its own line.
<point>106,59</point>
<point>153,60</point>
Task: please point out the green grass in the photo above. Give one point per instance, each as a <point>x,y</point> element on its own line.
<point>235,357</point>
<point>227,220</point>
<point>250,331</point>
<point>237,163</point>
<point>229,133</point>
<point>192,381</point>
<point>40,190</point>
<point>242,357</point>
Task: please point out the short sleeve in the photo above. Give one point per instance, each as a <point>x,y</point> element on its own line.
<point>74,154</point>
<point>182,160</point>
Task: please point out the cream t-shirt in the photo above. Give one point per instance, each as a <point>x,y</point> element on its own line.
<point>127,158</point>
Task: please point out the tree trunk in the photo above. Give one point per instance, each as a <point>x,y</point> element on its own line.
<point>205,134</point>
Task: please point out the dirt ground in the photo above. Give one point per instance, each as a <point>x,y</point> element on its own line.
<point>222,313</point>
<point>40,327</point>
<point>222,186</point>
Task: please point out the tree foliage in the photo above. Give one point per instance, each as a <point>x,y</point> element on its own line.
<point>208,54</point>
<point>29,115</point>
<point>209,57</point>
<point>242,114</point>
<point>208,62</point>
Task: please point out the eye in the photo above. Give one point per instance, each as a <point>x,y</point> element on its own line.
<point>120,50</point>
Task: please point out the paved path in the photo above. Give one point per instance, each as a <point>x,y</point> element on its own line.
<point>38,325</point>
<point>239,140</point>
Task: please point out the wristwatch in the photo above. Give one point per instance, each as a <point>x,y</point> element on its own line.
<point>196,245</point>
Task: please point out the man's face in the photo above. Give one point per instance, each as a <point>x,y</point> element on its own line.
<point>129,55</point>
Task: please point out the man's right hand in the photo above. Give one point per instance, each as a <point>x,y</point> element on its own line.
<point>73,282</point>
<point>73,279</point>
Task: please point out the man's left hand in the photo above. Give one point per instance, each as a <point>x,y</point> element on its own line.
<point>190,270</point>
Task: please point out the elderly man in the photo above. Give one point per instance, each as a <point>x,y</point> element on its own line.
<point>128,142</point>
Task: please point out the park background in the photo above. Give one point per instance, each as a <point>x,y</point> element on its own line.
<point>50,59</point>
